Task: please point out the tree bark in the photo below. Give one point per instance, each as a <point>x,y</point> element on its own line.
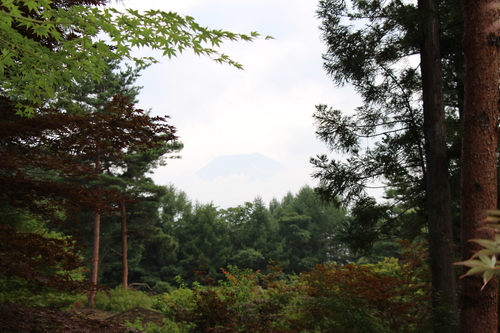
<point>438,194</point>
<point>478,311</point>
<point>94,266</point>
<point>124,245</point>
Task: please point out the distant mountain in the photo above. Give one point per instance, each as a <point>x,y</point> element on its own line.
<point>254,166</point>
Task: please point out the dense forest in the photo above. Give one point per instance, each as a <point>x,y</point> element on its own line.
<point>185,239</point>
<point>82,223</point>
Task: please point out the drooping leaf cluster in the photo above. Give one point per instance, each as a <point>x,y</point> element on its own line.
<point>484,261</point>
<point>48,45</point>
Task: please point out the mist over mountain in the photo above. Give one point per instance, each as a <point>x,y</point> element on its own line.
<point>256,167</point>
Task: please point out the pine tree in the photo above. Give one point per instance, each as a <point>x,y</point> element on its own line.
<point>393,137</point>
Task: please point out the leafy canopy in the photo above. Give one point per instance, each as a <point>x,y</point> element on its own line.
<point>46,46</point>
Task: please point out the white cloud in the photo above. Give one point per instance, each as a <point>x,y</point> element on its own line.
<point>267,108</point>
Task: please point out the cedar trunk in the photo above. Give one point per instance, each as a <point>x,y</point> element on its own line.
<point>438,194</point>
<point>478,311</point>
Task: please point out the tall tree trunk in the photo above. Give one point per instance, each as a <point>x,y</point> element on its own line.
<point>478,311</point>
<point>438,194</point>
<point>94,266</point>
<point>124,245</point>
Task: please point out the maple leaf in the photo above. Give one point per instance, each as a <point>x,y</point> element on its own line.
<point>491,247</point>
<point>486,265</point>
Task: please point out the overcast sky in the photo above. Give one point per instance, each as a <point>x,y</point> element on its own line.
<point>267,108</point>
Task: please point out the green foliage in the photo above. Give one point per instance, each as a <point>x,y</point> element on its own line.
<point>305,219</point>
<point>56,66</point>
<point>337,313</point>
<point>162,287</point>
<point>181,297</point>
<point>128,175</point>
<point>46,48</point>
<point>388,267</point>
<point>18,291</point>
<point>119,300</point>
<point>91,95</point>
<point>204,243</point>
<point>300,232</point>
<point>155,328</point>
<point>358,298</point>
<point>172,237</point>
<point>40,268</point>
<point>373,46</point>
<point>380,250</point>
<point>238,305</point>
<point>177,300</point>
<point>389,296</point>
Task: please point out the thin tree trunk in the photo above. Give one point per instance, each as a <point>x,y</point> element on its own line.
<point>124,245</point>
<point>479,312</point>
<point>94,266</point>
<point>438,194</point>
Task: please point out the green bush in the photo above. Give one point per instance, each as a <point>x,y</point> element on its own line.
<point>150,327</point>
<point>239,304</point>
<point>17,291</point>
<point>119,300</point>
<point>385,297</point>
<point>21,291</point>
<point>169,327</point>
<point>162,287</point>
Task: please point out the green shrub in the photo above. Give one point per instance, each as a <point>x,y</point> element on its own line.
<point>385,297</point>
<point>119,300</point>
<point>354,298</point>
<point>169,327</point>
<point>17,291</point>
<point>46,295</point>
<point>239,304</point>
<point>162,287</point>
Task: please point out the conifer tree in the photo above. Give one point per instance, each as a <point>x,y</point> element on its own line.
<point>393,137</point>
